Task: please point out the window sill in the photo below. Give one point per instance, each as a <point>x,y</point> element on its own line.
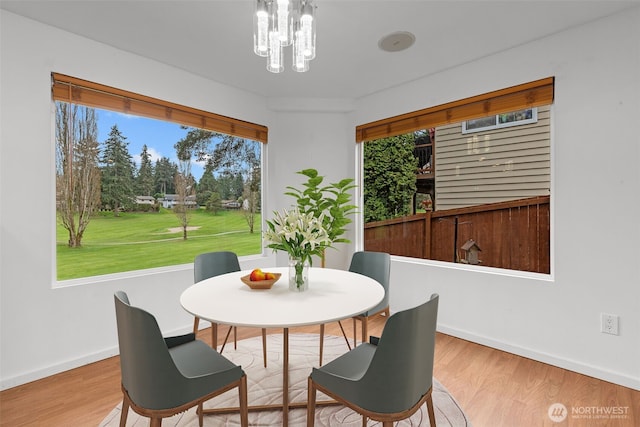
<point>476,268</point>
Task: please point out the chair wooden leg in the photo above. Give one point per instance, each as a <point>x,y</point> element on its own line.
<point>156,422</point>
<point>311,404</point>
<point>387,424</point>
<point>196,323</point>
<point>264,346</point>
<point>365,328</point>
<point>124,412</point>
<point>355,334</point>
<point>235,338</point>
<point>344,334</point>
<point>244,408</point>
<point>214,336</point>
<point>226,338</point>
<point>432,415</point>
<point>200,413</point>
<point>364,421</point>
<point>321,342</point>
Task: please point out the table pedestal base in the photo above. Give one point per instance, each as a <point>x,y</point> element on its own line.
<point>285,392</point>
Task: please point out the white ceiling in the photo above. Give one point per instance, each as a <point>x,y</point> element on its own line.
<point>213,38</point>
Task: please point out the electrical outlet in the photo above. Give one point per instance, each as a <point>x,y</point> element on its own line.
<point>609,323</point>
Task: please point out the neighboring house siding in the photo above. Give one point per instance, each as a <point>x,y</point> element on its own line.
<point>170,200</point>
<point>494,165</point>
<point>145,200</point>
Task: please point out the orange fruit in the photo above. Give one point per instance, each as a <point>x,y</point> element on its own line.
<point>256,275</point>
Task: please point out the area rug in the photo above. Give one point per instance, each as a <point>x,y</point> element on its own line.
<point>265,387</point>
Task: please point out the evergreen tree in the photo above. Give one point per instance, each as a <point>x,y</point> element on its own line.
<point>237,186</point>
<point>241,157</point>
<point>207,186</point>
<point>117,172</point>
<point>164,176</point>
<point>229,186</point>
<point>207,180</point>
<point>236,159</point>
<point>214,203</point>
<point>389,177</point>
<point>144,179</point>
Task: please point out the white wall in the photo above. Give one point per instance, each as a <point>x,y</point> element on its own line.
<point>317,136</point>
<point>595,200</point>
<point>45,330</point>
<point>594,197</point>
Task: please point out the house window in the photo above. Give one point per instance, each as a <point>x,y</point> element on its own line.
<point>497,121</point>
<point>490,186</point>
<point>142,183</point>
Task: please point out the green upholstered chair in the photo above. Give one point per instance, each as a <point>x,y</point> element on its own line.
<point>389,381</point>
<point>376,265</point>
<point>163,377</point>
<point>212,264</point>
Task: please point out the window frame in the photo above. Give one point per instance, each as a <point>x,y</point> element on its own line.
<point>526,95</point>
<point>515,98</point>
<point>90,94</point>
<point>78,91</point>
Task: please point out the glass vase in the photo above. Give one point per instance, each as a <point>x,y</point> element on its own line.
<point>298,275</point>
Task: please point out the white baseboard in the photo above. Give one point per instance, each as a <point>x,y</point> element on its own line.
<point>550,359</point>
<point>571,365</point>
<point>38,374</point>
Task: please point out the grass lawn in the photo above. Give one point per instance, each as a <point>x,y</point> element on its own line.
<point>136,241</point>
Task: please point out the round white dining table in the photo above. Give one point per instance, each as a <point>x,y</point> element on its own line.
<point>332,295</point>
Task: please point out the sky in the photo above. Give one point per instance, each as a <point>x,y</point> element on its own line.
<point>159,136</point>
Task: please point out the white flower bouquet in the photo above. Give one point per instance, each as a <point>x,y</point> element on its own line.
<point>301,235</point>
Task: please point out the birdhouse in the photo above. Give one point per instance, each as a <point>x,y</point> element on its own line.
<point>471,250</point>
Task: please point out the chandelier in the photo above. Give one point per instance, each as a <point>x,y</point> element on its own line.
<point>281,23</point>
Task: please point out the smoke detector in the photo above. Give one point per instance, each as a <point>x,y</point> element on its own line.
<point>395,42</point>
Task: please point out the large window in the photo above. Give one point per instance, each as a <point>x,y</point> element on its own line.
<point>467,182</point>
<point>142,183</point>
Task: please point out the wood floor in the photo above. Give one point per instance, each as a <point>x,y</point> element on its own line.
<point>494,388</point>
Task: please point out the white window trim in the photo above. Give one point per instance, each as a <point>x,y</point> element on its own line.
<point>533,119</point>
<point>544,277</point>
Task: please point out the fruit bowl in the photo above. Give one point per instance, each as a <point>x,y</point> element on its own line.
<point>260,284</point>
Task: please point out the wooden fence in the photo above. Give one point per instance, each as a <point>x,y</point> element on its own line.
<point>513,235</point>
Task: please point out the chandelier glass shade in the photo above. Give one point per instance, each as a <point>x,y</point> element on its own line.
<point>281,23</point>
